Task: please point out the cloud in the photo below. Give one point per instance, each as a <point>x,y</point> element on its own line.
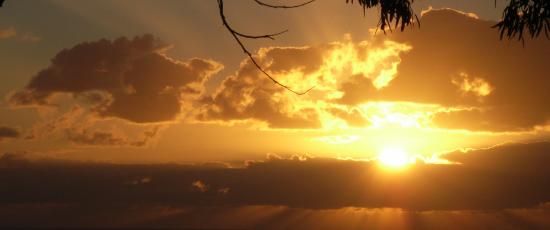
<point>458,62</point>
<point>7,33</point>
<point>352,117</point>
<point>470,78</point>
<point>12,33</point>
<point>507,176</point>
<point>81,128</point>
<point>465,75</point>
<point>8,132</point>
<point>89,137</point>
<point>30,38</point>
<point>200,186</point>
<point>130,79</point>
<point>459,78</point>
<point>249,95</point>
<point>513,158</point>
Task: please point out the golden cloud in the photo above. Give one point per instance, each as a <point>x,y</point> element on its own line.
<point>462,78</point>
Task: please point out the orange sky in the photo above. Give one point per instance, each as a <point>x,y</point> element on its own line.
<point>184,92</point>
<point>141,113</point>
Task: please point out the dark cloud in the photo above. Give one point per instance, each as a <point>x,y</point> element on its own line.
<point>96,138</point>
<point>7,33</point>
<point>8,132</point>
<point>108,138</point>
<point>81,128</point>
<point>508,176</point>
<point>458,61</point>
<point>23,37</point>
<point>505,186</point>
<point>130,79</point>
<point>512,158</point>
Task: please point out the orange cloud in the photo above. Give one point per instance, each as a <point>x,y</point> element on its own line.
<point>247,95</point>
<point>465,75</point>
<point>7,33</point>
<point>13,33</point>
<point>458,63</point>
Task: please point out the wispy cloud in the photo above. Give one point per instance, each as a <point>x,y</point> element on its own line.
<point>14,34</point>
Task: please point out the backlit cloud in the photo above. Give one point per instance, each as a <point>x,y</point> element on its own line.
<point>458,62</point>
<point>459,78</point>
<point>248,95</point>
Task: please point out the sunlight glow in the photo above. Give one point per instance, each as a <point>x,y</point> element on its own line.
<point>393,157</point>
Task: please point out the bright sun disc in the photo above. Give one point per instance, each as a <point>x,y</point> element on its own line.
<point>393,157</point>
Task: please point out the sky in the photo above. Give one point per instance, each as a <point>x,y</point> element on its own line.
<point>160,99</point>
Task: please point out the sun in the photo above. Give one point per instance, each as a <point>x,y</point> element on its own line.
<point>393,157</point>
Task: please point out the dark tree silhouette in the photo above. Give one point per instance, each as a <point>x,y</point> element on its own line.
<point>1,3</point>
<point>399,11</point>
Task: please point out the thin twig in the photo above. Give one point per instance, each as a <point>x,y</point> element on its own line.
<point>236,36</point>
<point>283,6</point>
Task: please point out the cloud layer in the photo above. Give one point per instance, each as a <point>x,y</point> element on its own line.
<point>509,176</point>
<point>470,78</point>
<point>475,81</point>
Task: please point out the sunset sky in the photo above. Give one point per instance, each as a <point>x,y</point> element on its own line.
<point>444,116</point>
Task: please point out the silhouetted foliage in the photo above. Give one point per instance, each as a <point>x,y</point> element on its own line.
<point>519,15</point>
<point>1,3</point>
<point>390,10</point>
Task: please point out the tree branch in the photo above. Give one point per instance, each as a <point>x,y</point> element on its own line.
<point>236,36</point>
<point>283,6</point>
